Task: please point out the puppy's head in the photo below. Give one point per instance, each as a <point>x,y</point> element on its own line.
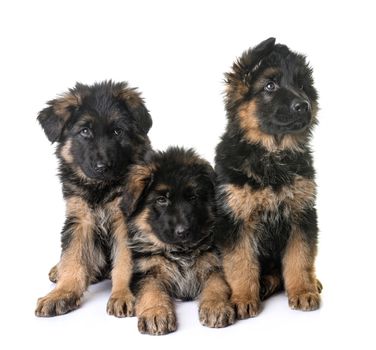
<point>172,198</point>
<point>270,91</point>
<point>99,128</point>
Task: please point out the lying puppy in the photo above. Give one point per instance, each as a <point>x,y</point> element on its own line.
<point>170,202</point>
<point>266,194</point>
<point>101,130</point>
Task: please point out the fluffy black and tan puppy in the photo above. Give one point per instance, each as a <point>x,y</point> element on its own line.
<point>171,205</point>
<point>266,195</point>
<point>101,130</point>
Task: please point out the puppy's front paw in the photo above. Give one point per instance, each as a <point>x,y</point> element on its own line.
<point>57,302</point>
<point>216,314</point>
<point>157,320</point>
<point>307,301</point>
<point>246,307</point>
<point>121,304</point>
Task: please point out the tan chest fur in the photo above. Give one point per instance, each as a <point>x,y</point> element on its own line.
<point>246,203</point>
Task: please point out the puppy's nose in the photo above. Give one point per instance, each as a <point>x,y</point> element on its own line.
<point>180,231</point>
<point>300,106</point>
<point>102,166</point>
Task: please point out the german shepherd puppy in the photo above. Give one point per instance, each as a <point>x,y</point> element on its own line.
<point>267,222</point>
<point>170,203</point>
<point>101,130</point>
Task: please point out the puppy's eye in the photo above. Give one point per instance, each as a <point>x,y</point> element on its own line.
<point>118,131</point>
<point>193,197</point>
<point>270,86</point>
<point>162,200</point>
<point>86,132</point>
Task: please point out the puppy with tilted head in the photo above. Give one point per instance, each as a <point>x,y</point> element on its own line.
<point>100,131</point>
<point>170,203</point>
<point>267,224</point>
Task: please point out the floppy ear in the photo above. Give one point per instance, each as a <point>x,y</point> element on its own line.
<point>135,104</point>
<point>53,118</point>
<point>138,182</point>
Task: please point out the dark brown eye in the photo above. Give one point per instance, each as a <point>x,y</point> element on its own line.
<point>270,86</point>
<point>162,200</point>
<point>118,131</point>
<point>86,132</point>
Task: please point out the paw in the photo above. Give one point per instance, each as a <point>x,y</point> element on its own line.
<point>52,275</point>
<point>246,308</point>
<point>216,314</point>
<point>157,320</point>
<point>121,304</point>
<point>307,301</point>
<point>57,302</point>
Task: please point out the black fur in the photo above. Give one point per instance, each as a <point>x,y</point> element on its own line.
<point>101,131</point>
<point>241,160</point>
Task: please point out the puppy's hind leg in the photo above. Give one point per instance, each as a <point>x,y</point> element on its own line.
<point>52,275</point>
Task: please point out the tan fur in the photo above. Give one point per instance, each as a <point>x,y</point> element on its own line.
<point>66,101</point>
<point>121,300</point>
<point>242,271</point>
<point>215,309</point>
<point>155,309</point>
<point>141,221</point>
<point>139,177</point>
<point>270,284</point>
<point>244,201</point>
<point>299,276</point>
<point>65,152</point>
<point>249,123</point>
<point>72,273</point>
<point>71,269</point>
<point>162,187</point>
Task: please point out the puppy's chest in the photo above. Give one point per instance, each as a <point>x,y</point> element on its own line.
<point>269,204</point>
<point>183,274</point>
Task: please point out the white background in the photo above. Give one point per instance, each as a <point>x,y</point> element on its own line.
<point>177,52</point>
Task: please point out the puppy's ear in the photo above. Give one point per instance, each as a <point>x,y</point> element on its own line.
<point>135,104</point>
<point>138,182</point>
<point>255,55</point>
<point>242,70</point>
<point>53,118</point>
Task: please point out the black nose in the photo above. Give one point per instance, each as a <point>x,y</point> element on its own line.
<point>300,106</point>
<point>101,166</point>
<point>180,231</point>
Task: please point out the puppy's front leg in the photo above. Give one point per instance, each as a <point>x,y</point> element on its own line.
<point>72,271</point>
<point>215,308</point>
<point>242,272</point>
<point>155,308</point>
<point>301,284</point>
<point>121,302</point>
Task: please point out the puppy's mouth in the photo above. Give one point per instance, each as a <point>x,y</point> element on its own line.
<point>105,176</point>
<point>284,125</point>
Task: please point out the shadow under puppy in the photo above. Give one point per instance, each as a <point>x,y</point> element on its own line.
<point>101,130</point>
<point>170,203</point>
<point>266,181</point>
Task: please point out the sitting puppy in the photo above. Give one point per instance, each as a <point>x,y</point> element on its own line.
<point>170,202</point>
<point>266,181</point>
<point>101,130</point>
